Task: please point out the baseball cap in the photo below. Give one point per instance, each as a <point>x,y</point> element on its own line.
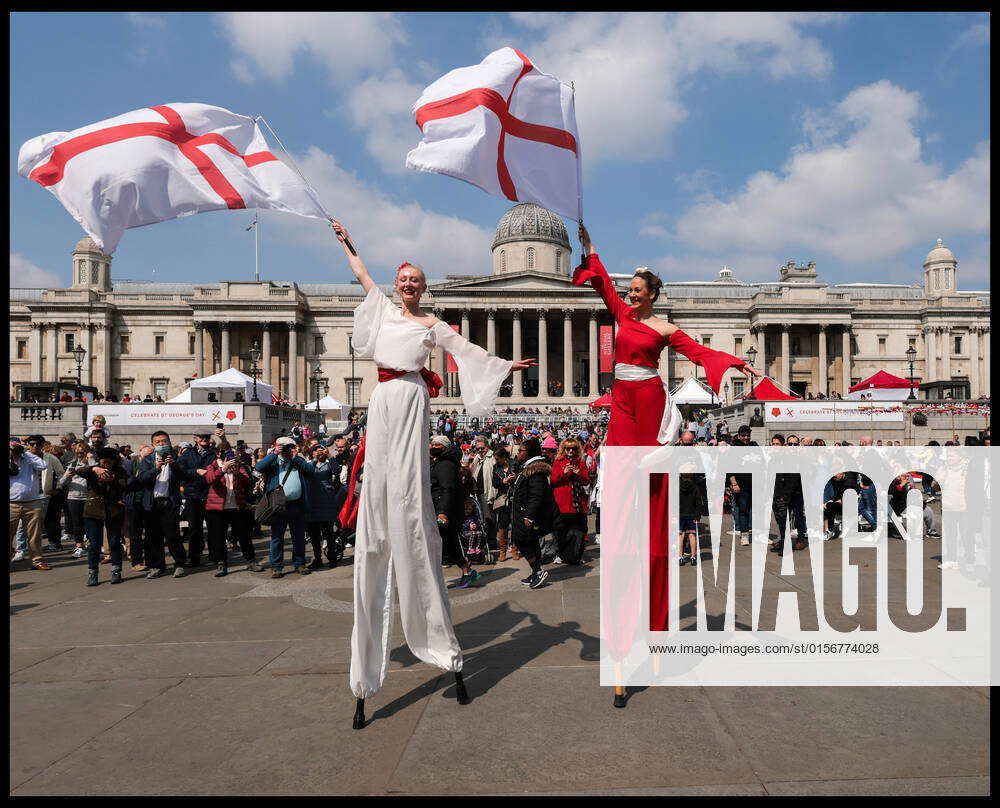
<point>283,441</point>
<point>441,440</point>
<point>202,434</point>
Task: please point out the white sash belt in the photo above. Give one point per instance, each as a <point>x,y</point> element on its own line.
<point>670,424</point>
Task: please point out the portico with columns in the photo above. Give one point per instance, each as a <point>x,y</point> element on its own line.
<point>811,336</point>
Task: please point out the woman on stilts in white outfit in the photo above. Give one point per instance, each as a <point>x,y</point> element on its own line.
<point>397,531</point>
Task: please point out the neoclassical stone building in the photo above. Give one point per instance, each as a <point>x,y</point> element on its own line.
<point>810,336</point>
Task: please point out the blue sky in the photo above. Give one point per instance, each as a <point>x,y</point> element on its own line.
<point>851,140</point>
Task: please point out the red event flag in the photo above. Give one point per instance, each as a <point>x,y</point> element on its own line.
<point>607,350</point>
<point>452,367</point>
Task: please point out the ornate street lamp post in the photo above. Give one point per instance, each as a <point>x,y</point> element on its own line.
<point>78,353</point>
<point>254,359</point>
<point>751,356</point>
<point>911,354</point>
<point>317,382</point>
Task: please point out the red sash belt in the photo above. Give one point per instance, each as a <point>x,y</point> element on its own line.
<point>349,513</point>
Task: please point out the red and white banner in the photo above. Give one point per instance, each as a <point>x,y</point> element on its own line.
<point>452,367</point>
<point>505,127</point>
<point>160,163</point>
<point>607,343</point>
<point>207,415</point>
<point>784,412</point>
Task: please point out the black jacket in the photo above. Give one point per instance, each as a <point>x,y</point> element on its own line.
<point>195,486</point>
<point>446,488</point>
<point>788,487</point>
<point>531,498</point>
<point>689,498</point>
<point>146,476</point>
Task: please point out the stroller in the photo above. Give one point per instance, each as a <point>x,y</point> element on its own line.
<point>475,543</point>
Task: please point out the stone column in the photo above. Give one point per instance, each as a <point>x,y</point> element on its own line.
<point>88,359</point>
<point>568,352</point>
<point>845,347</point>
<point>37,335</point>
<point>594,352</point>
<point>442,361</point>
<point>107,337</point>
<point>265,351</point>
<point>225,353</point>
<point>822,361</point>
<point>930,354</point>
<point>543,353</point>
<point>974,361</point>
<point>199,349</point>
<point>516,352</point>
<point>465,323</point>
<point>944,332</point>
<point>491,331</point>
<point>984,382</point>
<point>53,371</point>
<point>786,358</point>
<point>762,348</point>
<point>293,365</point>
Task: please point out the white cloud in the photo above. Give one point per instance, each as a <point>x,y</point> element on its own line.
<point>631,70</point>
<point>24,274</point>
<point>143,20</point>
<point>390,131</point>
<point>384,231</point>
<point>348,44</point>
<point>860,192</point>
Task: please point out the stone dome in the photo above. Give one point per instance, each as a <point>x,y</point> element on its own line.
<point>939,253</point>
<point>530,222</point>
<point>87,244</point>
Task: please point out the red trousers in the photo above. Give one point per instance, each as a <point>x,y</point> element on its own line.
<point>636,413</point>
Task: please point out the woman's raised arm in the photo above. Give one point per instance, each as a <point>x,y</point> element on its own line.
<point>357,265</point>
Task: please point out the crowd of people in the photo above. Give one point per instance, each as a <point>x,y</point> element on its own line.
<point>508,491</point>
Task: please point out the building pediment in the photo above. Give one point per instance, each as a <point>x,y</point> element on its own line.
<point>514,282</point>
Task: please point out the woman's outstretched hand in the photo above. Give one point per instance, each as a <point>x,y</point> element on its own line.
<point>749,370</point>
<point>524,364</point>
<point>342,235</point>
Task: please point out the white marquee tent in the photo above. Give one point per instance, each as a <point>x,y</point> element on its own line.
<point>331,405</point>
<point>228,379</point>
<point>692,391</point>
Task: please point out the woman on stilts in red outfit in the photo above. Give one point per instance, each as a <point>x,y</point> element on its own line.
<point>640,406</point>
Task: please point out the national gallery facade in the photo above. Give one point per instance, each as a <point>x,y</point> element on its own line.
<point>810,336</point>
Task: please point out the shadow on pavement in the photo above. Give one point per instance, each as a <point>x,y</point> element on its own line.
<point>485,668</point>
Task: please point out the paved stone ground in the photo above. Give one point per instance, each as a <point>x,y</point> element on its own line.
<point>238,686</point>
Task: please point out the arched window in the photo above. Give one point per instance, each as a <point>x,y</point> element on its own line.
<point>503,260</point>
<point>558,260</point>
<point>530,258</point>
<point>83,271</point>
<point>95,276</point>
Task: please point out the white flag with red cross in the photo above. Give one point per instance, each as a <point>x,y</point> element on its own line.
<point>160,163</point>
<point>506,127</point>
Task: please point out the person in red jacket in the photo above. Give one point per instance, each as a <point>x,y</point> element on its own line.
<point>641,411</point>
<point>570,483</point>
<point>227,507</point>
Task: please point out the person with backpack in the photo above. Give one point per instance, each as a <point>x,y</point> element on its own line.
<point>285,503</point>
<point>570,483</point>
<point>531,509</point>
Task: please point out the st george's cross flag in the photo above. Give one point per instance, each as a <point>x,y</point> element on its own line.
<point>160,163</point>
<point>506,127</point>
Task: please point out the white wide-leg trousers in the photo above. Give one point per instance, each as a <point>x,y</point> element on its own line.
<point>397,537</point>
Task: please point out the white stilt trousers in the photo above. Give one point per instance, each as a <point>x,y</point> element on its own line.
<point>397,538</point>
